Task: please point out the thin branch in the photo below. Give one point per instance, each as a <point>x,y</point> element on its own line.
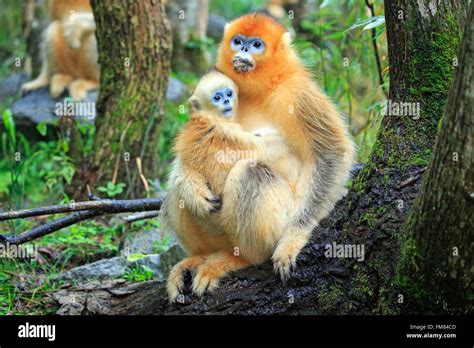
<point>141,216</point>
<point>376,50</point>
<point>50,227</point>
<point>82,211</point>
<point>103,205</point>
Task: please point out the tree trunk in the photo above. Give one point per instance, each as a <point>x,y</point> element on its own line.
<point>438,264</point>
<point>134,78</point>
<point>189,23</point>
<point>423,40</point>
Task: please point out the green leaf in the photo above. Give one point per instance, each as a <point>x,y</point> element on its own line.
<point>9,124</point>
<point>42,128</point>
<point>135,257</point>
<point>367,23</point>
<point>379,21</point>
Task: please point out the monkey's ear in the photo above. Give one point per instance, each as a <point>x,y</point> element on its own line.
<point>194,102</point>
<point>286,39</point>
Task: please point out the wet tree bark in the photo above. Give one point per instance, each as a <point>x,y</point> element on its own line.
<point>440,241</point>
<point>134,78</point>
<point>423,41</point>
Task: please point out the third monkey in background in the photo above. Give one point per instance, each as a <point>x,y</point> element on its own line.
<point>277,91</point>
<point>68,50</point>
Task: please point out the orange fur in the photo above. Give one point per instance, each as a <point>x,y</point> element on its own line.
<point>60,9</point>
<point>280,93</point>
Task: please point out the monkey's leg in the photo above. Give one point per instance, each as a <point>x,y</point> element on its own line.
<point>78,89</point>
<point>41,81</point>
<point>216,267</point>
<point>175,278</point>
<point>58,84</point>
<point>257,204</point>
<point>47,60</point>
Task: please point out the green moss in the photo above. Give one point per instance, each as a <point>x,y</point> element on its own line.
<point>329,298</point>
<point>407,277</point>
<point>361,282</point>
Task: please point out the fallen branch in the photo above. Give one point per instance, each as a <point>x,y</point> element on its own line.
<point>104,205</point>
<point>82,211</point>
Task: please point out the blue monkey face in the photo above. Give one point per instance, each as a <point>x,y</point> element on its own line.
<point>245,48</point>
<point>224,99</point>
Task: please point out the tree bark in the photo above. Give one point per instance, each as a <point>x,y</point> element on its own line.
<point>189,24</point>
<point>438,264</point>
<point>134,51</point>
<point>422,45</point>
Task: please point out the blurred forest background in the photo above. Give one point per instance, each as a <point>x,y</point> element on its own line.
<point>343,44</point>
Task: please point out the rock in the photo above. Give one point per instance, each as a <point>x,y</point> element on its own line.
<point>116,267</point>
<point>103,269</point>
<point>215,27</point>
<point>10,86</point>
<point>177,91</point>
<point>140,242</point>
<point>161,264</point>
<point>38,106</point>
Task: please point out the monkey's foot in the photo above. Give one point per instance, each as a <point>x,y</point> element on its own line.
<point>284,259</point>
<point>216,267</point>
<point>175,279</point>
<point>206,279</point>
<point>78,88</point>
<point>35,84</point>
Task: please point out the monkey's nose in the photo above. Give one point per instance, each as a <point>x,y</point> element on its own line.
<point>226,101</point>
<point>245,49</point>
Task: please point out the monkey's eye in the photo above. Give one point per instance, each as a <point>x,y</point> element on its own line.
<point>229,94</point>
<point>236,42</point>
<point>217,97</point>
<point>257,46</point>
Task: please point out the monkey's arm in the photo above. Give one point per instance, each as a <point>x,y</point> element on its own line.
<point>270,145</point>
<point>78,26</point>
<point>193,190</point>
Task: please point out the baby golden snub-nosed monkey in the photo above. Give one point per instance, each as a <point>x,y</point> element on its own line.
<point>276,89</point>
<point>68,50</point>
<point>216,161</point>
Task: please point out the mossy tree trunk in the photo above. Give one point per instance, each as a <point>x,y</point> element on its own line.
<point>134,43</point>
<point>423,40</point>
<point>438,262</point>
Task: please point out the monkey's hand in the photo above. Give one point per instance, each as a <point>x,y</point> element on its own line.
<point>198,198</point>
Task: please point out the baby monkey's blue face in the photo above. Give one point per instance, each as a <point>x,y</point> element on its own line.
<point>224,100</point>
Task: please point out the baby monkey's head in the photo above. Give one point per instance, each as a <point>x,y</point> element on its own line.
<point>215,93</point>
